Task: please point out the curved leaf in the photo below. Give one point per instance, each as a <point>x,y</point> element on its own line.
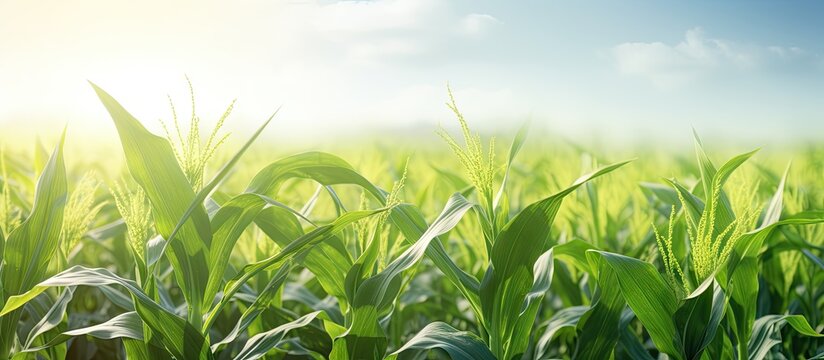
<point>260,344</point>
<point>296,247</point>
<point>180,338</point>
<point>510,275</point>
<point>762,340</point>
<point>564,318</point>
<point>126,325</point>
<point>374,290</point>
<point>52,318</point>
<point>648,295</point>
<point>262,301</point>
<point>328,169</point>
<point>377,293</point>
<point>30,248</point>
<point>154,167</point>
<point>460,345</point>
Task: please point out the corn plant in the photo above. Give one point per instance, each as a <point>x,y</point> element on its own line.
<point>458,250</point>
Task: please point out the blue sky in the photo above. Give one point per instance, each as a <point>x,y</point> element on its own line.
<point>749,71</point>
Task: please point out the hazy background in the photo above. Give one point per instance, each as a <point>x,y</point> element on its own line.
<point>635,71</point>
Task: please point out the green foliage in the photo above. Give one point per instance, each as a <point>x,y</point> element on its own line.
<point>31,246</point>
<point>136,213</point>
<point>8,217</point>
<point>80,212</point>
<point>311,256</point>
<point>479,167</point>
<point>191,153</point>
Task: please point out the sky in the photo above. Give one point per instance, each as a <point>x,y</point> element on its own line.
<point>638,70</point>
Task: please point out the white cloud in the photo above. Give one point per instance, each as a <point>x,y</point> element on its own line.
<point>477,24</point>
<point>670,66</point>
<point>372,16</point>
<point>367,52</point>
<point>370,32</point>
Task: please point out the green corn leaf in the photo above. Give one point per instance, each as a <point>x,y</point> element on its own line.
<point>724,213</point>
<point>328,260</point>
<point>53,317</point>
<point>410,220</point>
<point>743,265</point>
<point>296,247</point>
<point>567,287</point>
<point>138,349</point>
<point>665,194</point>
<point>2,255</point>
<point>514,149</point>
<point>765,333</point>
<point>813,258</point>
<point>312,339</point>
<point>743,300</point>
<point>510,275</point>
<point>324,168</point>
<point>699,318</point>
<point>153,165</point>
<point>227,225</point>
<point>460,345</point>
<point>374,291</point>
<point>792,241</point>
<point>752,242</point>
<point>542,271</point>
<point>376,294</point>
<point>257,346</point>
<point>363,339</point>
<point>599,327</point>
<point>627,338</point>
<point>178,336</point>
<point>743,268</point>
<point>262,301</point>
<point>203,194</point>
<point>127,325</point>
<point>30,247</point>
<point>280,225</point>
<point>694,204</point>
<point>363,268</point>
<point>648,295</point>
<point>729,167</point>
<point>709,176</point>
<point>566,318</point>
<point>328,169</point>
<point>574,253</point>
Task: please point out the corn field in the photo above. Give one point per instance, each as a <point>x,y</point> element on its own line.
<point>513,247</point>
